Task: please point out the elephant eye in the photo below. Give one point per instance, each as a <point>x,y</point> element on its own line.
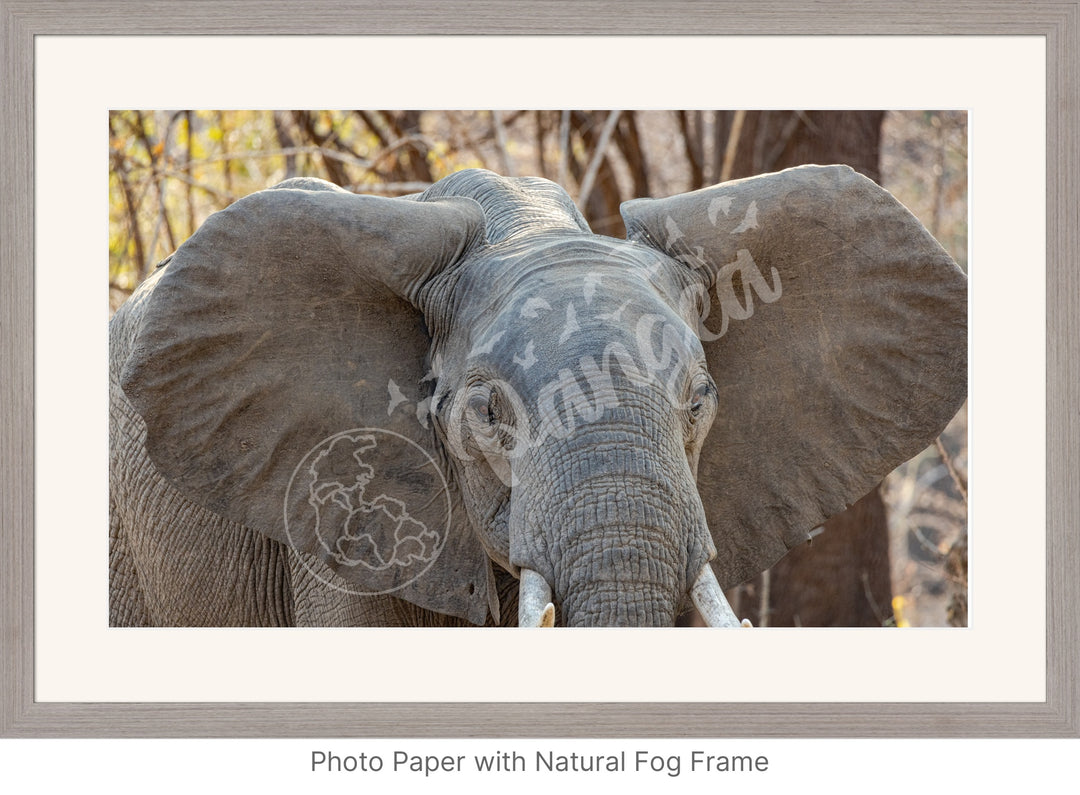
<point>483,406</point>
<point>699,398</point>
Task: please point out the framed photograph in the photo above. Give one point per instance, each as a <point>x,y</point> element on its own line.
<point>84,106</point>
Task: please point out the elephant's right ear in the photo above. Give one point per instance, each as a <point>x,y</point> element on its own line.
<point>290,317</point>
<point>840,349</point>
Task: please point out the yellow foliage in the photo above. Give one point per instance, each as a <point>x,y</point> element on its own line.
<point>898,604</point>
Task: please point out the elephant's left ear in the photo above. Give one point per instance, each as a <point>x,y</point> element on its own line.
<point>837,337</point>
<point>279,365</point>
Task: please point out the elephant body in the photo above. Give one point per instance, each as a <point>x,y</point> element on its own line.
<point>463,408</point>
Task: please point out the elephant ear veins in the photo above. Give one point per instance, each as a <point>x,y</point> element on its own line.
<point>836,334</point>
<point>284,320</point>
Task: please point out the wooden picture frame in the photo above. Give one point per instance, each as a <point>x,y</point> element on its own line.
<point>23,716</point>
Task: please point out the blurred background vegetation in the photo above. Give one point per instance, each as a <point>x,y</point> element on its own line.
<point>170,169</point>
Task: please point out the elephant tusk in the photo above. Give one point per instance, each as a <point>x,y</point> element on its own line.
<point>709,599</point>
<point>535,608</point>
<point>547,618</point>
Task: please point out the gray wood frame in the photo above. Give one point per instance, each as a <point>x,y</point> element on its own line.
<point>21,716</point>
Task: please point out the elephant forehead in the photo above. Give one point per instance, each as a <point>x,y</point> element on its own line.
<point>555,335</point>
<point>543,305</point>
<point>576,308</point>
<point>588,282</point>
<point>583,265</point>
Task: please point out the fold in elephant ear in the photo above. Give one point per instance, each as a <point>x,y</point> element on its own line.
<point>283,325</point>
<point>837,338</point>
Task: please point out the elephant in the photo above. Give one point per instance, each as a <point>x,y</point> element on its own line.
<point>463,408</point>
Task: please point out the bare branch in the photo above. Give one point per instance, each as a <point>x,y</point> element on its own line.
<point>400,143</point>
<point>130,210</point>
<point>376,124</point>
<point>864,576</point>
<point>163,219</point>
<point>285,141</point>
<point>226,169</point>
<point>597,158</point>
<point>294,150</point>
<point>391,188</point>
<point>757,158</point>
<point>937,206</point>
<point>541,131</point>
<point>500,143</point>
<point>217,193</point>
<point>782,142</point>
<point>564,148</point>
<point>628,140</point>
<point>732,145</point>
<point>763,605</point>
<point>189,200</point>
<point>947,459</point>
<point>306,124</point>
<point>690,126</point>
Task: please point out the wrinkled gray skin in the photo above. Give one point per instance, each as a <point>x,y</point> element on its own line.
<point>564,385</point>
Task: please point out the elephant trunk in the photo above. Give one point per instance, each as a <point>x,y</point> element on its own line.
<point>620,540</point>
<point>600,602</point>
<point>537,610</point>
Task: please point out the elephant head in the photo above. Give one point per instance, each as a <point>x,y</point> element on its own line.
<point>413,390</point>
